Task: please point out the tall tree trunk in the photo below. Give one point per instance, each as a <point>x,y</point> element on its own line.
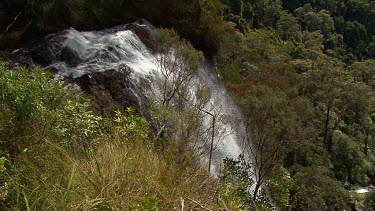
<point>326,128</point>
<point>329,142</point>
<point>199,12</point>
<point>212,143</point>
<point>365,150</point>
<point>200,6</point>
<point>256,190</point>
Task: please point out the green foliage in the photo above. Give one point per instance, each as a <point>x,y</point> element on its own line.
<point>130,125</point>
<point>318,191</point>
<point>74,122</point>
<point>262,13</point>
<point>317,51</point>
<point>34,106</point>
<point>347,25</point>
<point>281,186</point>
<point>337,98</point>
<point>65,198</point>
<point>149,203</point>
<point>3,179</point>
<point>273,128</point>
<point>370,201</point>
<point>235,7</point>
<point>236,187</point>
<point>60,159</point>
<point>231,72</point>
<point>288,27</point>
<point>237,173</point>
<point>167,42</point>
<point>349,161</point>
<point>364,71</point>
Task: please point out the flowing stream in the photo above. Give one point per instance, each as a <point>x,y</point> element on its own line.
<point>72,54</point>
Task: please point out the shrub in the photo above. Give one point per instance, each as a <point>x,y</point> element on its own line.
<point>280,187</point>
<point>32,106</point>
<point>61,156</point>
<point>236,187</point>
<point>370,201</point>
<point>149,203</point>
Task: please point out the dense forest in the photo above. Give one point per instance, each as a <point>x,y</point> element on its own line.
<point>301,71</point>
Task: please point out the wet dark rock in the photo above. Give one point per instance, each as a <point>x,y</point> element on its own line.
<point>112,89</point>
<point>40,55</point>
<point>95,61</point>
<point>117,69</point>
<point>144,30</point>
<point>71,56</point>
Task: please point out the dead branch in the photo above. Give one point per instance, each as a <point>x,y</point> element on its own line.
<point>195,202</point>
<point>14,21</point>
<point>182,203</point>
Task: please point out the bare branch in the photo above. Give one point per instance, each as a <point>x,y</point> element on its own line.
<point>14,21</point>
<point>195,202</point>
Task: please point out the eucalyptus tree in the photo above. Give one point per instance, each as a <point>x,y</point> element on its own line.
<point>271,127</point>
<point>324,84</point>
<point>288,27</point>
<point>177,61</point>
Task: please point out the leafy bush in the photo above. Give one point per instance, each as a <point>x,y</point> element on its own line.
<point>149,203</point>
<point>370,201</point>
<point>61,156</point>
<point>32,106</point>
<point>280,187</point>
<point>130,125</point>
<point>3,179</point>
<point>236,187</point>
<point>350,163</point>
<point>317,190</point>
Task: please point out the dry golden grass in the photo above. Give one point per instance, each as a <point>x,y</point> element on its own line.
<point>115,177</point>
<point>60,156</point>
<point>120,175</point>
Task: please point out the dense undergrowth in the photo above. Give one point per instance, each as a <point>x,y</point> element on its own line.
<point>308,104</point>
<point>302,71</point>
<point>58,154</point>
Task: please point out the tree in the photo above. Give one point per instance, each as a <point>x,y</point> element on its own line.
<point>370,201</point>
<point>236,181</point>
<point>359,113</point>
<point>349,161</point>
<point>288,27</point>
<point>263,12</point>
<point>313,41</point>
<point>270,129</point>
<point>235,7</point>
<point>318,191</point>
<point>364,71</point>
<point>355,33</point>
<point>313,21</point>
<point>324,84</point>
<point>177,61</point>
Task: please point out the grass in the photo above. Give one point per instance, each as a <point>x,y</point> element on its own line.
<point>61,156</point>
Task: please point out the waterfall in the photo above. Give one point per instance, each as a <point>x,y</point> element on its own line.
<point>73,54</point>
<point>232,131</point>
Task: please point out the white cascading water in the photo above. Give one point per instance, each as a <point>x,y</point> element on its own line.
<point>73,54</point>
<point>232,131</point>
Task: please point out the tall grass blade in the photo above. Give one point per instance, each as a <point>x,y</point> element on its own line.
<point>68,189</point>
<point>26,202</point>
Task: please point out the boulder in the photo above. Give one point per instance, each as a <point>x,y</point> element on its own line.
<point>111,89</point>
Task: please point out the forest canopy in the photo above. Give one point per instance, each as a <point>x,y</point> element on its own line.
<point>302,72</point>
